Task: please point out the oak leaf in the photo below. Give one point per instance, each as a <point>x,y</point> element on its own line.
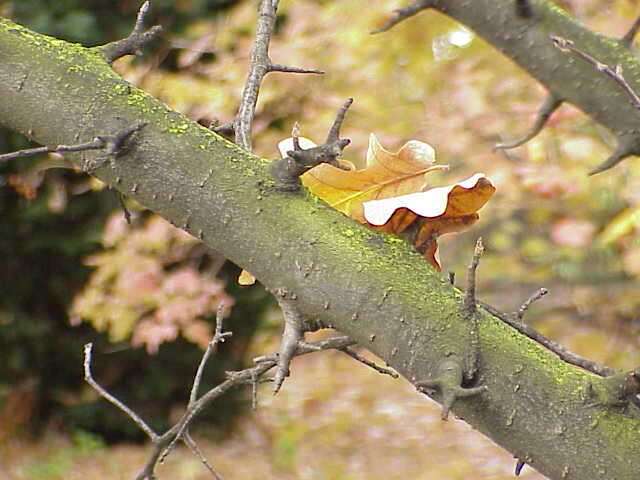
<point>427,215</point>
<point>390,193</point>
<point>386,175</point>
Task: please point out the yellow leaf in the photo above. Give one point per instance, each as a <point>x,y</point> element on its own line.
<point>389,194</point>
<point>432,213</point>
<point>386,175</point>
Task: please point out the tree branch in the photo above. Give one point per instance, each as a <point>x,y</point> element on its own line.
<point>240,213</point>
<point>260,65</point>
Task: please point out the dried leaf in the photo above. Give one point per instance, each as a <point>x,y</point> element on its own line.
<point>386,175</point>
<point>428,215</point>
<point>389,193</point>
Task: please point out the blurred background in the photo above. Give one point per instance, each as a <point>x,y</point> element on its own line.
<point>72,270</point>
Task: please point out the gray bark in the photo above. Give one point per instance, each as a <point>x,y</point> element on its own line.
<point>563,421</point>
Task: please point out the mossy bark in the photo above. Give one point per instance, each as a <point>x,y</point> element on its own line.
<point>371,286</point>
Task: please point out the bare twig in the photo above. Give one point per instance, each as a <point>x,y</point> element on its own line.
<point>550,105</point>
<point>562,352</point>
<point>88,350</point>
<point>137,39</point>
<point>403,13</point>
<point>165,443</point>
<point>95,144</point>
<point>356,356</point>
<point>260,65</point>
<point>470,292</point>
<point>615,73</point>
<point>200,454</point>
<point>533,298</point>
<point>218,337</point>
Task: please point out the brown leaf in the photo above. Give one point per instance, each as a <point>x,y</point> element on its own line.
<point>432,213</point>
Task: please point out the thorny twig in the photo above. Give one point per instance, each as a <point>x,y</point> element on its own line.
<point>260,65</point>
<point>615,73</point>
<point>378,368</point>
<point>179,431</point>
<point>113,144</point>
<point>137,39</point>
<point>287,171</point>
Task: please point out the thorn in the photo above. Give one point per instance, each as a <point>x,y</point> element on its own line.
<point>533,298</point>
<point>403,13</point>
<point>621,152</point>
<point>549,105</point>
<point>451,277</point>
<point>295,135</point>
<point>356,356</point>
<point>274,67</point>
<point>334,132</point>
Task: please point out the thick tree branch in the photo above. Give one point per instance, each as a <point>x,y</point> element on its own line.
<point>541,408</point>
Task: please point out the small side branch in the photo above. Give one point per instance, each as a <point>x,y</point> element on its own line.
<point>286,171</point>
<point>616,73</point>
<point>550,105</point>
<point>449,384</point>
<point>114,145</point>
<point>533,298</point>
<point>218,337</point>
<point>88,376</point>
<point>470,293</point>
<point>404,13</point>
<point>562,352</point>
<point>260,65</point>
<point>135,42</point>
<point>95,144</point>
